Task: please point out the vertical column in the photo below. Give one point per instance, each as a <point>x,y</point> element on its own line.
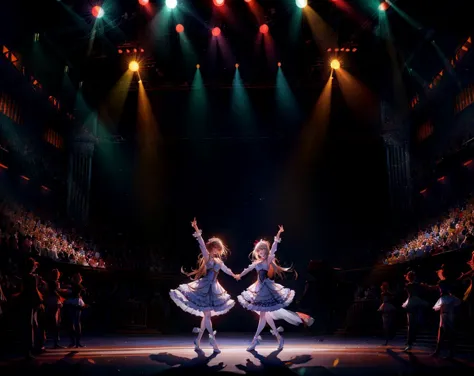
<point>395,135</point>
<point>79,178</point>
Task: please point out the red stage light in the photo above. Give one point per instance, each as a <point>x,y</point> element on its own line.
<point>218,3</point>
<point>142,50</point>
<point>143,2</point>
<point>279,64</point>
<point>216,32</point>
<point>97,12</point>
<point>120,51</point>
<point>135,50</point>
<point>383,6</point>
<point>264,28</point>
<point>128,51</point>
<point>248,1</point>
<point>179,28</point>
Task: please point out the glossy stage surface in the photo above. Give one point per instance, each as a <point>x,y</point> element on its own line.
<point>302,355</point>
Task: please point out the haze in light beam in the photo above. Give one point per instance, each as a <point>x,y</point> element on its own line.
<point>242,112</point>
<point>323,34</point>
<point>110,111</point>
<point>150,169</point>
<point>287,106</point>
<point>315,129</point>
<point>358,97</point>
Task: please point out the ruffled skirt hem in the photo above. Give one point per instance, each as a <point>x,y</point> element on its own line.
<point>187,306</point>
<point>259,308</point>
<point>446,302</point>
<point>414,303</point>
<point>387,307</point>
<point>78,302</point>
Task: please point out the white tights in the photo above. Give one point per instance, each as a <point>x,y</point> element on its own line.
<point>265,318</point>
<point>206,324</point>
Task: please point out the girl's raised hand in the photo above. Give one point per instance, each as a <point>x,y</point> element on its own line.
<point>280,229</point>
<point>194,224</point>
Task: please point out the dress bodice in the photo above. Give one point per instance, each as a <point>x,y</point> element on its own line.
<point>211,264</point>
<point>262,274</point>
<point>444,287</point>
<point>212,268</point>
<point>413,289</point>
<point>386,297</point>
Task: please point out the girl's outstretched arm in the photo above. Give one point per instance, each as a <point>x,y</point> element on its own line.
<point>226,270</point>
<point>276,241</point>
<point>247,270</point>
<point>197,234</point>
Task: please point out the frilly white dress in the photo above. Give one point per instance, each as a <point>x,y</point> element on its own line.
<point>414,302</point>
<point>204,294</point>
<point>386,306</point>
<point>267,296</point>
<point>446,306</point>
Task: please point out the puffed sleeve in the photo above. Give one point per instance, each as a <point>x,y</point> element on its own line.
<point>248,269</point>
<point>202,245</point>
<point>274,248</point>
<point>225,269</point>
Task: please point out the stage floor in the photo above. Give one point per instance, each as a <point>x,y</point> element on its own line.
<point>303,356</point>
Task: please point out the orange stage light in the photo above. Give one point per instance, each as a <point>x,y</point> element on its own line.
<point>335,64</point>
<point>264,28</point>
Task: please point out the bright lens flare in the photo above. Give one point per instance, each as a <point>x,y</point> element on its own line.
<point>98,12</point>
<point>383,6</point>
<point>335,64</point>
<point>134,66</point>
<point>171,4</point>
<point>218,3</point>
<point>143,2</point>
<point>264,28</point>
<point>301,3</point>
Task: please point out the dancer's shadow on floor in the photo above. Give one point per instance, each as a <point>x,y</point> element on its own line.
<point>271,364</point>
<point>199,365</point>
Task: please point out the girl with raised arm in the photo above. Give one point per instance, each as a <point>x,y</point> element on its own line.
<point>266,297</point>
<point>204,296</point>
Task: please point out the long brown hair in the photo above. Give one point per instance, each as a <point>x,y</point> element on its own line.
<point>274,268</point>
<point>201,270</point>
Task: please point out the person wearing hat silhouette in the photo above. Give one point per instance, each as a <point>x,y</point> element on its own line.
<point>445,305</point>
<point>414,306</point>
<point>54,303</point>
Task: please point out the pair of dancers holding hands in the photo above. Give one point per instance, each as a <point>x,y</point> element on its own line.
<point>205,297</point>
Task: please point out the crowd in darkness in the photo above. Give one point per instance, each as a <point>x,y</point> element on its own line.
<point>21,231</point>
<point>453,231</point>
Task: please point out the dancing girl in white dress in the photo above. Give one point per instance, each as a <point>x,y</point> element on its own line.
<point>266,297</point>
<point>204,296</point>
